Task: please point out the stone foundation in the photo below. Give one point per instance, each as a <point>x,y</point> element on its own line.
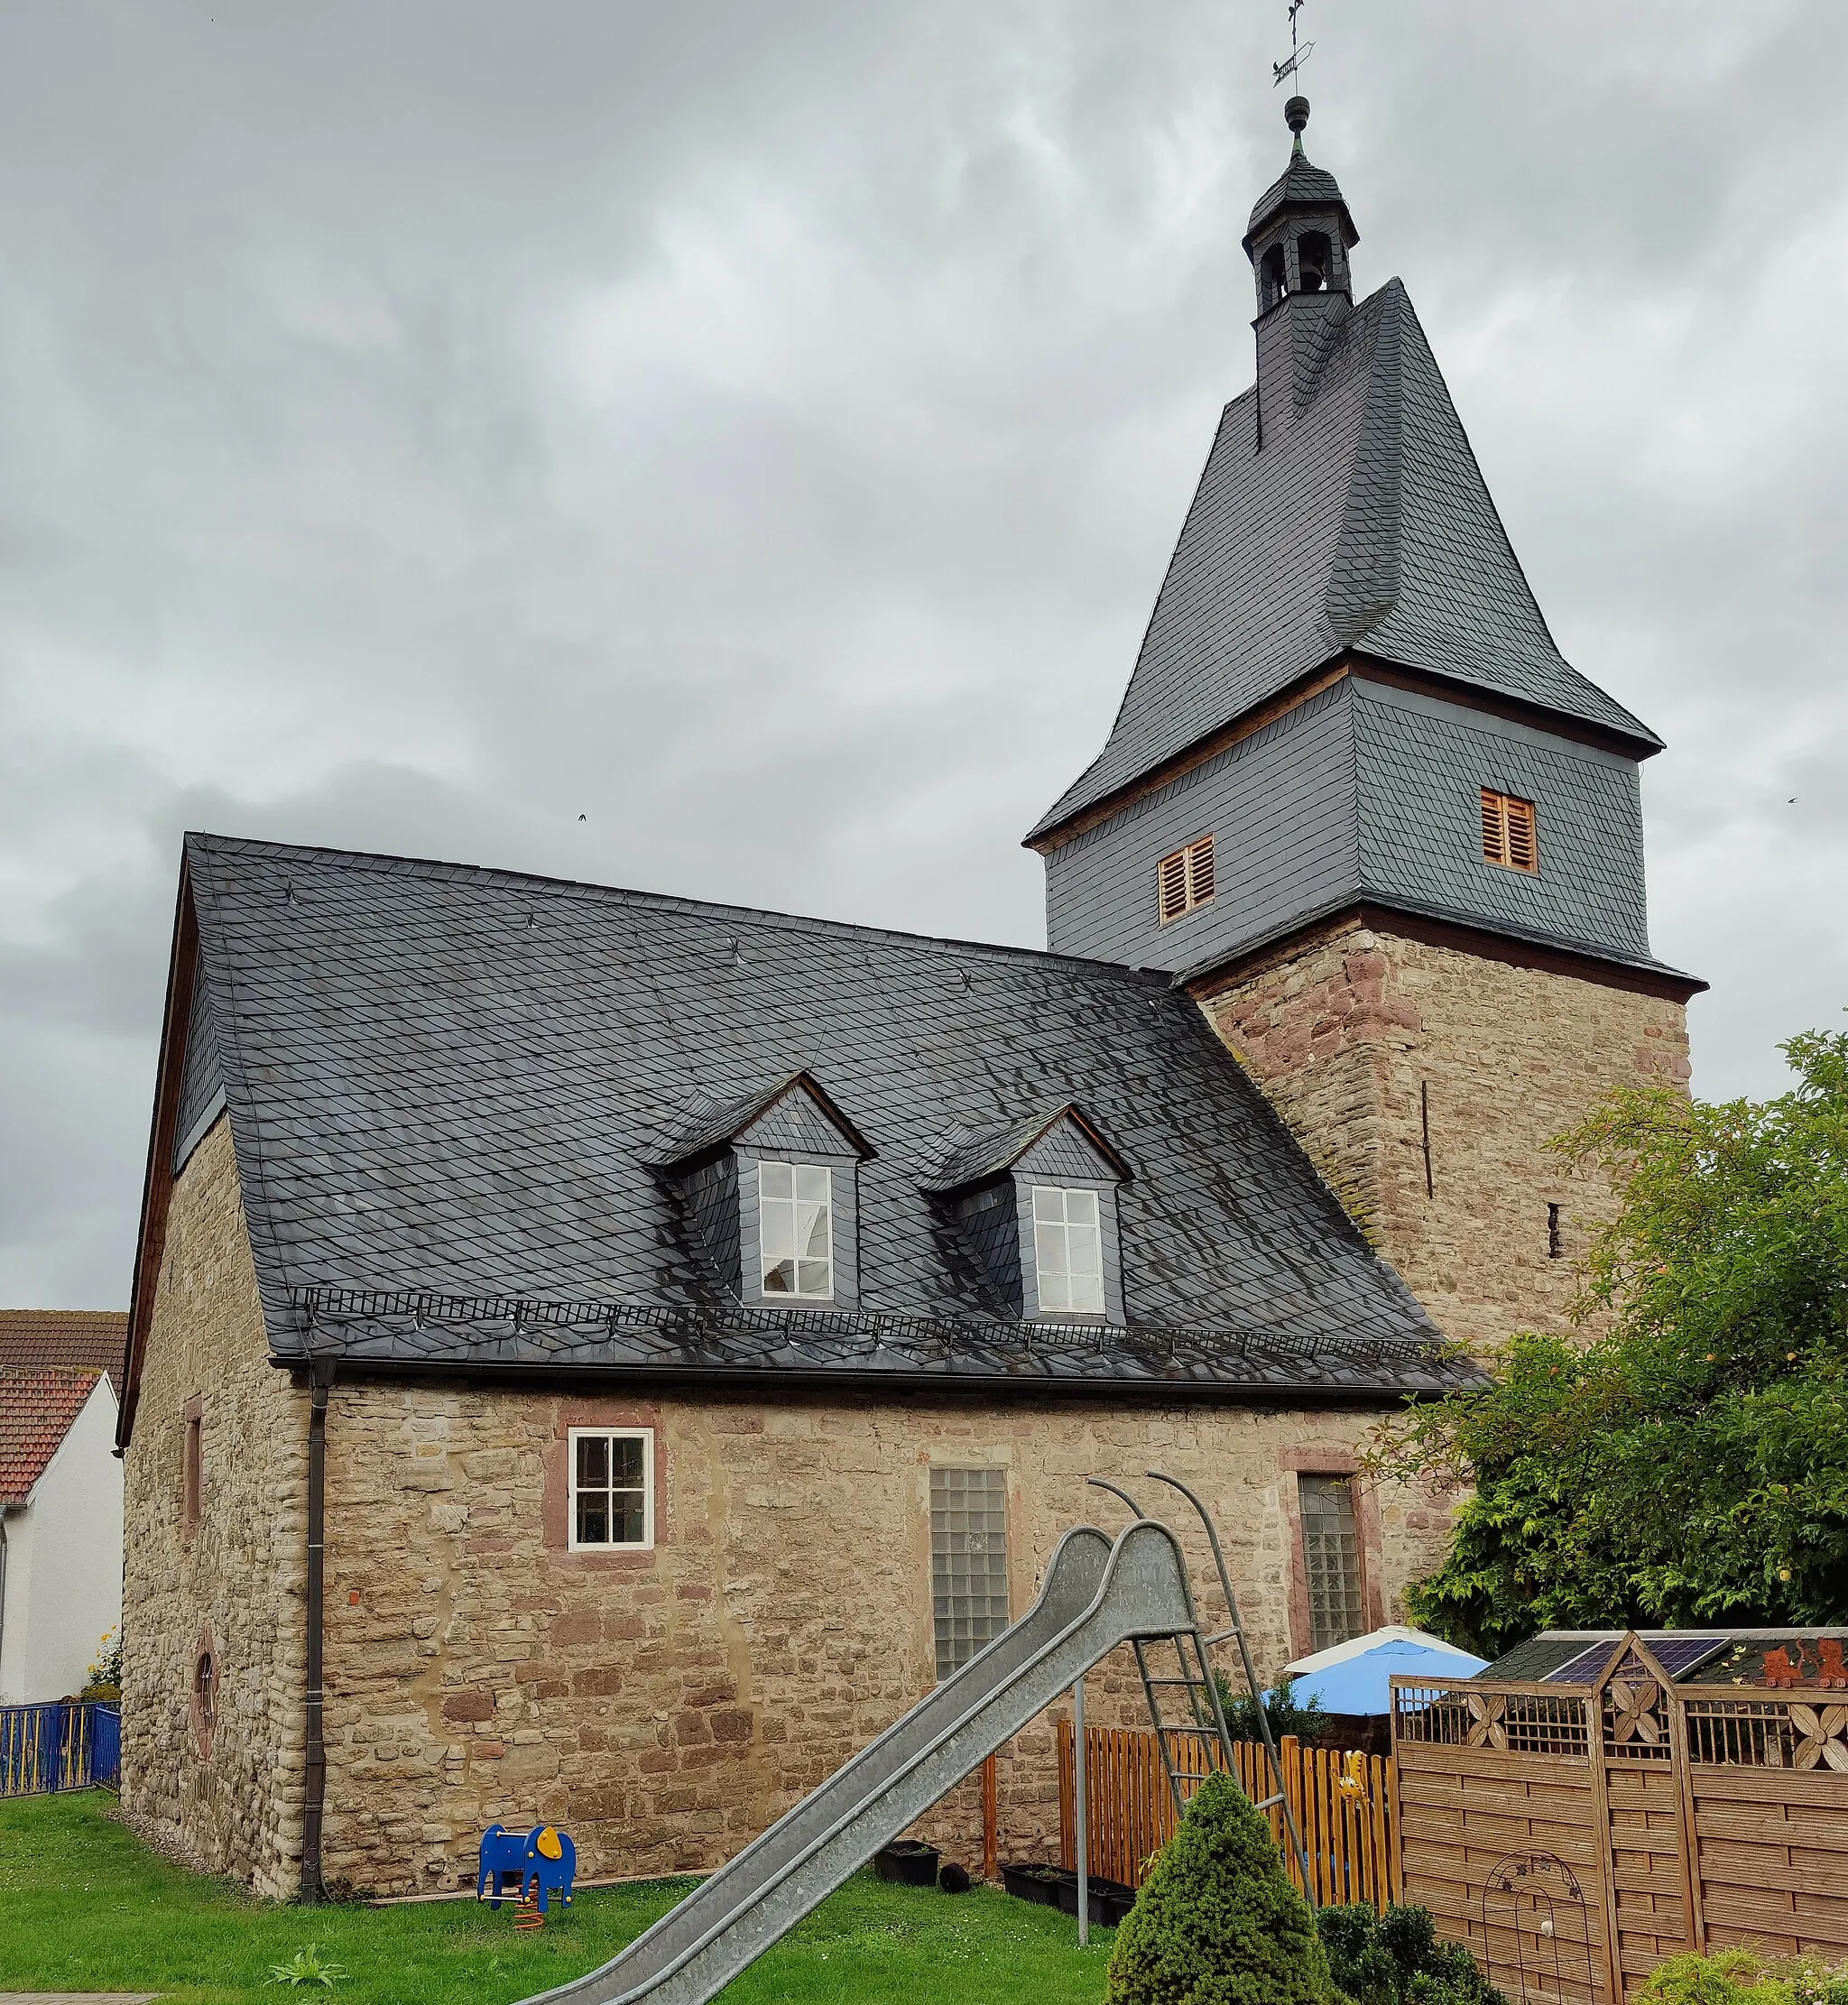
<point>1361,1037</point>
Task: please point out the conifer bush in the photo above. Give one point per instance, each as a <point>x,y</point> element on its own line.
<point>1217,1921</point>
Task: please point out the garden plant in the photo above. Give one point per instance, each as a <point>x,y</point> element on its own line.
<point>1217,1921</point>
<point>1396,1959</point>
<point>1688,1464</point>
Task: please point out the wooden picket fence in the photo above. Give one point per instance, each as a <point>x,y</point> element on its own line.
<point>1346,1808</point>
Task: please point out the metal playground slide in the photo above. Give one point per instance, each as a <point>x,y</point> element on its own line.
<point>1096,1595</point>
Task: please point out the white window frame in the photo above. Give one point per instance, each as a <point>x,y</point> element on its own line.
<point>573,1436</point>
<point>1062,1224</point>
<point>765,1293</point>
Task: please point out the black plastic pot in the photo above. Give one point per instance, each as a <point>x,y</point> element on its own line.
<point>907,1862</point>
<point>1039,1884</point>
<point>1110,1899</point>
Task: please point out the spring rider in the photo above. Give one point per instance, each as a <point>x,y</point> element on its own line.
<point>539,1862</point>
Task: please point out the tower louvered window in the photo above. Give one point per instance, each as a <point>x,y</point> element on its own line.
<point>1185,880</point>
<point>1509,837</point>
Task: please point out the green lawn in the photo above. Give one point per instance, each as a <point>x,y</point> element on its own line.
<point>85,1905</point>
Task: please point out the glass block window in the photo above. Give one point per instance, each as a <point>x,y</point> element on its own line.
<point>1067,1252</point>
<point>612,1487</point>
<point>1331,1560</point>
<point>795,1229</point>
<point>968,1562</point>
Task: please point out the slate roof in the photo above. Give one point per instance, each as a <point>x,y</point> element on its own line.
<point>447,1086</point>
<point>1363,524</point>
<point>91,1339</point>
<point>39,1404</point>
<point>1301,185</point>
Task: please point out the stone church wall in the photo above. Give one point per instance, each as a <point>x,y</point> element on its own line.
<point>233,1585</point>
<point>667,1706</point>
<point>1360,1036</point>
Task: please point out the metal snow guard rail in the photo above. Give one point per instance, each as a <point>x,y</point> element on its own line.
<point>833,1327</point>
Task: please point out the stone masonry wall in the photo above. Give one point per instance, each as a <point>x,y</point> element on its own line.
<point>666,1706</point>
<point>233,1585</point>
<point>1343,1030</point>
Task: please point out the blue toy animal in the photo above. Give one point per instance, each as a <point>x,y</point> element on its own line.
<point>544,1862</point>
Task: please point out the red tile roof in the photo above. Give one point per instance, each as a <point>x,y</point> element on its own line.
<point>37,1404</point>
<point>89,1338</point>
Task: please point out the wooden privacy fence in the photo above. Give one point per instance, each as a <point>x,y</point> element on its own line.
<point>1573,1834</point>
<point>43,1748</point>
<point>1346,1807</point>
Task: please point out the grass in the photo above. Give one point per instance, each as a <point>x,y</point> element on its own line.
<point>85,1905</point>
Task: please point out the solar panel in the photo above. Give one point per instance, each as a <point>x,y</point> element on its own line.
<point>1677,1655</point>
<point>1584,1667</point>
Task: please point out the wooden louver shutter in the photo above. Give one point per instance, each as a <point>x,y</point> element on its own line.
<point>1172,880</point>
<point>1509,834</point>
<point>1200,870</point>
<point>1521,851</point>
<point>1494,828</point>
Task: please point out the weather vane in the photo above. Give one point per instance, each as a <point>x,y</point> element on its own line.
<point>1298,57</point>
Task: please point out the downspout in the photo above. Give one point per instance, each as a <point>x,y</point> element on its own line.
<point>314,1778</point>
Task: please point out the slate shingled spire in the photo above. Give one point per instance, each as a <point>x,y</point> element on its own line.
<point>1341,510</point>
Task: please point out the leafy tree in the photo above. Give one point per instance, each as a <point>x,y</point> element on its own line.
<point>1305,1719</point>
<point>1690,1464</point>
<point>1217,1921</point>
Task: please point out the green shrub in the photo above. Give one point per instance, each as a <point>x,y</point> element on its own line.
<point>1217,1921</point>
<point>1746,1977</point>
<point>1396,1959</point>
<point>1307,1722</point>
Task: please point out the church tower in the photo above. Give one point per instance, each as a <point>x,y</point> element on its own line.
<point>1357,801</point>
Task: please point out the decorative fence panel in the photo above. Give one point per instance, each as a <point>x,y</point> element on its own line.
<point>1346,1807</point>
<point>1625,1821</point>
<point>62,1746</point>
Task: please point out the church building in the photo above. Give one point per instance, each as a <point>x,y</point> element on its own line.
<point>598,1356</point>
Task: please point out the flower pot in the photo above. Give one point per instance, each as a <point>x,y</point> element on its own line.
<point>908,1863</point>
<point>1037,1883</point>
<point>1110,1902</point>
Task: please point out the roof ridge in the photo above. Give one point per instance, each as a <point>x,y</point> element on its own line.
<point>386,865</point>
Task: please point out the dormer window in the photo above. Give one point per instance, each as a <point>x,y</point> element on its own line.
<point>768,1191</point>
<point>1067,1251</point>
<point>1035,1204</point>
<point>795,1229</point>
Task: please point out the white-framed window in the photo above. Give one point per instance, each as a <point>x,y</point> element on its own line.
<point>795,1229</point>
<point>1067,1251</point>
<point>612,1488</point>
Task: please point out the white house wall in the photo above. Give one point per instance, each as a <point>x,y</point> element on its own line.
<point>64,1563</point>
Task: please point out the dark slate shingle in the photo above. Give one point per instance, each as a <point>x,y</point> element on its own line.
<point>1365,524</point>
<point>454,1082</point>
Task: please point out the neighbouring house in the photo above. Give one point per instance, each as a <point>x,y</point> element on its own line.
<point>92,1340</point>
<point>60,1527</point>
<point>599,1355</point>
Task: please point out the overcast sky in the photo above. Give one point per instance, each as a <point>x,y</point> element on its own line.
<point>759,429</point>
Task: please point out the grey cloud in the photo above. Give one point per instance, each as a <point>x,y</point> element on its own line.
<point>762,431</point>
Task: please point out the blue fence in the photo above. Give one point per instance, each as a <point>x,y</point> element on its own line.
<point>65,1746</point>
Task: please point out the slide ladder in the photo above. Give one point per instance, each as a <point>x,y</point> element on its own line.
<point>1097,1595</point>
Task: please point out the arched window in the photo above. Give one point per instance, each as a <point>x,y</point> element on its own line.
<point>1315,257</point>
<point>1273,275</point>
<point>205,1693</point>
